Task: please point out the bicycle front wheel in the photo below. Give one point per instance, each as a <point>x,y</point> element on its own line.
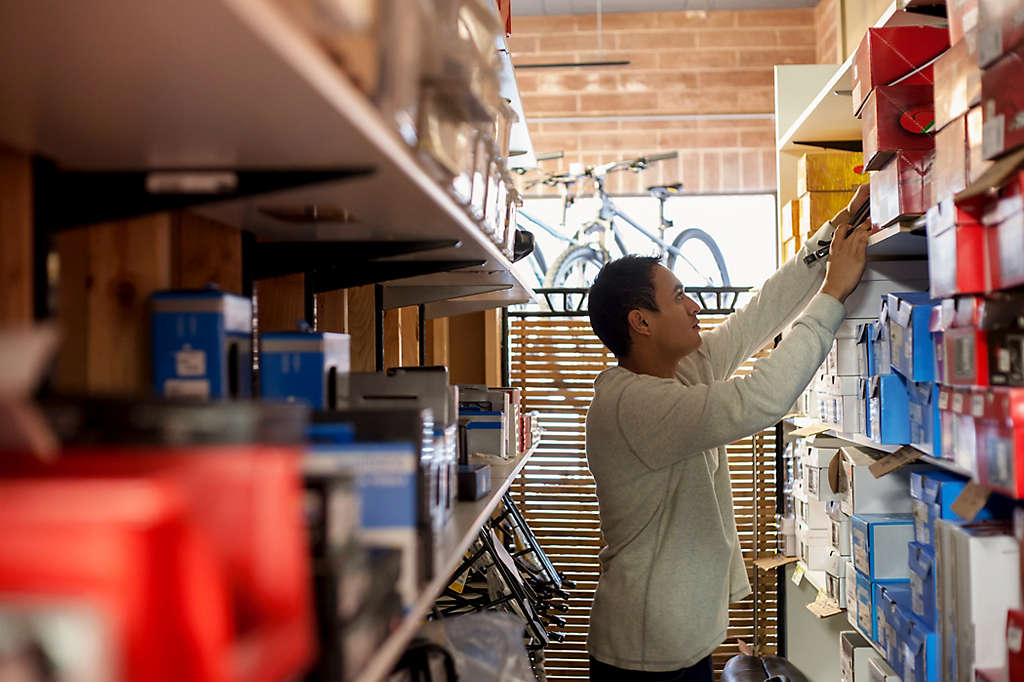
<point>576,267</point>
<point>702,263</point>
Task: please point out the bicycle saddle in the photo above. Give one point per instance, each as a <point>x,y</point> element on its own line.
<point>664,191</point>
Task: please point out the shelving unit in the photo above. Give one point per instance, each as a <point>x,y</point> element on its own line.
<point>813,108</point>
<point>858,439</point>
<point>451,546</point>
<point>251,92</point>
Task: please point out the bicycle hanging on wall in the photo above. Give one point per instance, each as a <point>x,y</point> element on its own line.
<point>693,255</point>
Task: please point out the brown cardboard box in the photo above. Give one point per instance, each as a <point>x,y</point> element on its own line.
<point>818,207</point>
<point>830,172</point>
<point>789,248</point>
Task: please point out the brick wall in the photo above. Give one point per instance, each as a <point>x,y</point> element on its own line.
<point>687,62</point>
<point>826,28</point>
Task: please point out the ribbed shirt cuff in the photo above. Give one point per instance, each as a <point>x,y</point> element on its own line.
<point>823,234</point>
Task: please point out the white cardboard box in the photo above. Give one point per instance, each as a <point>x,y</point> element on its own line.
<point>835,577</point>
<point>854,652</point>
<point>812,514</point>
<point>839,535</point>
<point>879,670</point>
<point>812,545</point>
<point>865,494</point>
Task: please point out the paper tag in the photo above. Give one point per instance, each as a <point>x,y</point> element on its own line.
<point>460,583</point>
<point>891,463</point>
<point>943,400</point>
<point>978,405</point>
<point>190,363</point>
<point>1013,639</point>
<point>768,563</point>
<point>812,430</point>
<point>958,402</point>
<point>992,136</point>
<point>798,574</point>
<point>990,42</point>
<point>823,606</point>
<point>970,501</point>
<point>187,388</point>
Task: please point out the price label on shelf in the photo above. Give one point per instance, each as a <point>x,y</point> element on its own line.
<point>798,574</point>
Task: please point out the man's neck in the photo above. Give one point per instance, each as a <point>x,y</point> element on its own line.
<point>641,363</point>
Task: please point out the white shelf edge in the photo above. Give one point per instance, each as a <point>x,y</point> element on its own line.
<point>455,540</point>
<point>859,439</point>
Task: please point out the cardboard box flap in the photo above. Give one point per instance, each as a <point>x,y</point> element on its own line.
<point>858,456</point>
<point>865,332</point>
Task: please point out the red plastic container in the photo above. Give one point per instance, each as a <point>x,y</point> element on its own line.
<point>247,499</point>
<point>957,252</point>
<point>127,549</point>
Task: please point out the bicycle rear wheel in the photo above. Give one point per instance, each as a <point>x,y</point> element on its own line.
<point>703,263</point>
<point>576,267</point>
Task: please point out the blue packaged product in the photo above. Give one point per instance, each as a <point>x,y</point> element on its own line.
<point>910,341</point>
<point>304,366</point>
<point>879,543</point>
<point>888,410</point>
<point>925,423</point>
<point>202,344</point>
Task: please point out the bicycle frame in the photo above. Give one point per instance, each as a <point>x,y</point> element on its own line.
<point>609,212</point>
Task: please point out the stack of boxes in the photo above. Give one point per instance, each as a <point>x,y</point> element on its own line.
<point>825,183</point>
<point>380,463</point>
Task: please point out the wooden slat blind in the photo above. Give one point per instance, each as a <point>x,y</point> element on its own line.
<point>555,362</point>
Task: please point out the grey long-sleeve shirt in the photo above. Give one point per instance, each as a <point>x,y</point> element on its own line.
<point>656,448</point>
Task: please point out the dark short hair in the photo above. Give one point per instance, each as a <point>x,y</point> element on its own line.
<point>621,286</point>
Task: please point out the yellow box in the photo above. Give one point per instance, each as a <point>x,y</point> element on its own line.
<point>818,207</point>
<point>789,248</point>
<point>790,221</point>
<point>829,172</point>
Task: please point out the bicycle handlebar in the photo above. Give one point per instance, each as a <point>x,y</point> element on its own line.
<point>637,164</point>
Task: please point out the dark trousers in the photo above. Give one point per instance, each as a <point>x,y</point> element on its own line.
<point>698,672</point>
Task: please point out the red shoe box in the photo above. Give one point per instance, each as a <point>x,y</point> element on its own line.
<point>896,118</point>
<point>1000,28</point>
<point>247,499</point>
<point>999,435</point>
<point>957,81</point>
<point>963,18</point>
<point>1002,97</point>
<point>949,175</point>
<point>901,188</point>
<point>1002,317</point>
<point>964,344</point>
<point>1004,227</point>
<point>1015,642</point>
<point>947,422</point>
<point>957,259</point>
<point>887,54</point>
<point>126,549</point>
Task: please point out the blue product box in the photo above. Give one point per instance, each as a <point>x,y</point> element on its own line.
<point>888,410</point>
<point>386,476</point>
<point>311,367</point>
<point>866,350</point>
<point>925,423</point>
<point>910,341</point>
<point>866,606</point>
<point>890,625</point>
<point>863,406</point>
<point>880,342</point>
<point>880,545</point>
<point>202,344</point>
<point>920,654</point>
<point>922,583</point>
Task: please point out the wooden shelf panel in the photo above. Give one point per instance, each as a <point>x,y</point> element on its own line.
<point>451,546</point>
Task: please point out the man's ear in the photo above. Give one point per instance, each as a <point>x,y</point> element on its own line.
<point>637,323</point>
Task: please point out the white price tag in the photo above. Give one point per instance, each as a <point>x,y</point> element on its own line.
<point>977,405</point>
<point>190,363</point>
<point>958,402</point>
<point>1014,635</point>
<point>798,574</point>
<point>187,388</point>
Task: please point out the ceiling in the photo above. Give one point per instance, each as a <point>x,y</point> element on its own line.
<point>557,7</point>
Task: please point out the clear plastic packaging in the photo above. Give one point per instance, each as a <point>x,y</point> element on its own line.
<point>479,25</point>
<point>481,169</point>
<point>515,200</point>
<point>504,120</point>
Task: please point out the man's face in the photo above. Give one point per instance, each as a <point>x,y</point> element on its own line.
<point>674,328</point>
